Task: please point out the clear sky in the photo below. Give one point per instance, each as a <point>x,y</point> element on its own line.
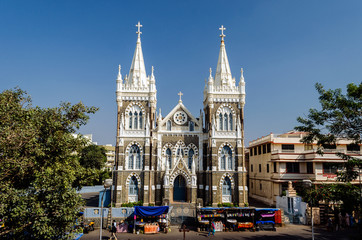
<point>70,51</point>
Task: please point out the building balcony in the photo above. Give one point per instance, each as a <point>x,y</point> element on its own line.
<point>329,154</point>
<point>293,176</point>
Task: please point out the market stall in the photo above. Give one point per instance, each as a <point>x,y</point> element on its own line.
<point>150,219</point>
<point>265,218</point>
<point>206,215</point>
<point>240,218</point>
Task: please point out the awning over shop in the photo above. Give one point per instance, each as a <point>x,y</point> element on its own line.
<point>150,211</point>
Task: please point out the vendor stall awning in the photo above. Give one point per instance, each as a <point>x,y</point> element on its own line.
<point>150,211</point>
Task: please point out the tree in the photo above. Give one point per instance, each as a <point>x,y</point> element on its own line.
<point>340,117</point>
<point>93,156</point>
<point>38,168</point>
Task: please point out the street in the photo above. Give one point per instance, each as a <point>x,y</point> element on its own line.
<point>290,231</point>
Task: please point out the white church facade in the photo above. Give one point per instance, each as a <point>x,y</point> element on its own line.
<point>179,157</point>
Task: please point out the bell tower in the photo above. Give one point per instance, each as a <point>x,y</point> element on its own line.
<point>224,158</point>
<point>136,108</point>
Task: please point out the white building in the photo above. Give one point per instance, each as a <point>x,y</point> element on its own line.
<point>178,156</point>
<point>276,159</point>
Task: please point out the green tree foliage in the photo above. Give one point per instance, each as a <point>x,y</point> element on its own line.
<point>39,169</point>
<point>340,117</point>
<point>93,156</point>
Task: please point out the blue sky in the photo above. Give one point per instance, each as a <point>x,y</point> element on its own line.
<point>70,51</point>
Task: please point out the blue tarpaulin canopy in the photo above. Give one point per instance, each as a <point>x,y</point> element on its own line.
<point>150,211</point>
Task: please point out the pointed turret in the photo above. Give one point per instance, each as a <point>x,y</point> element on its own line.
<point>242,86</point>
<point>223,74</point>
<point>152,81</point>
<point>137,73</point>
<point>119,79</point>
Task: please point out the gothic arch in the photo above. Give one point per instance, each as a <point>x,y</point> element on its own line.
<point>137,104</point>
<point>130,176</point>
<point>222,106</point>
<point>182,173</point>
<point>134,143</point>
<point>192,146</point>
<point>230,177</point>
<point>226,160</point>
<point>181,144</point>
<point>127,153</point>
<point>226,144</point>
<point>167,145</point>
<point>226,117</point>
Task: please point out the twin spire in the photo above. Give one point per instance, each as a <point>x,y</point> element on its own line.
<point>223,73</point>
<point>137,73</point>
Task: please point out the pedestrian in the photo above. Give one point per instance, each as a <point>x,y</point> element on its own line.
<point>212,228</point>
<point>114,230</point>
<point>346,217</point>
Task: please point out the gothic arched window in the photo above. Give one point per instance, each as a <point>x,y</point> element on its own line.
<point>141,122</point>
<point>134,158</point>
<point>136,120</point>
<point>226,121</point>
<point>226,158</point>
<point>226,190</point>
<point>168,157</point>
<point>191,154</point>
<point>180,151</point>
<point>191,126</point>
<point>135,117</point>
<point>133,186</point>
<point>168,125</point>
<point>130,120</point>
<point>231,121</point>
<point>220,122</point>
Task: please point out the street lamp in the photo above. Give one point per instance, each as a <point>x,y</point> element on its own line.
<point>107,183</point>
<point>309,183</point>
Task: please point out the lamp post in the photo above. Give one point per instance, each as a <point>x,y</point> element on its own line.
<point>309,183</point>
<point>107,183</point>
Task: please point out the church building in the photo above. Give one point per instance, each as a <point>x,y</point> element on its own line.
<point>179,157</point>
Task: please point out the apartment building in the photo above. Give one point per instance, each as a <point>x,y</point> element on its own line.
<point>110,153</point>
<point>276,159</point>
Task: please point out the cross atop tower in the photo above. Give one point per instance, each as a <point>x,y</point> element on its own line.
<point>139,29</point>
<point>222,32</point>
<point>180,94</point>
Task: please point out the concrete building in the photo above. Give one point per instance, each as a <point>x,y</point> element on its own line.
<point>110,153</point>
<point>178,157</point>
<point>276,159</point>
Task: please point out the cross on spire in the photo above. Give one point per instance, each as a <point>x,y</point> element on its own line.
<point>180,94</point>
<point>222,32</point>
<point>139,29</point>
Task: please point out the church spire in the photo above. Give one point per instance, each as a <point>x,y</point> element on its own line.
<point>223,74</point>
<point>137,73</point>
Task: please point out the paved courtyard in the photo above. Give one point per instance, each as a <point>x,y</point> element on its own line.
<point>289,232</point>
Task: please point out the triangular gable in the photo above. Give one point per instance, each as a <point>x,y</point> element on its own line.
<point>174,110</point>
<point>180,161</point>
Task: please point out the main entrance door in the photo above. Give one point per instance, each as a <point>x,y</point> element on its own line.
<point>179,189</point>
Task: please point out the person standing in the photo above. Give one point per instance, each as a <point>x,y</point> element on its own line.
<point>212,228</point>
<point>114,230</point>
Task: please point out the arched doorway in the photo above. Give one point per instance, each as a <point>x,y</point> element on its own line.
<point>179,189</point>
